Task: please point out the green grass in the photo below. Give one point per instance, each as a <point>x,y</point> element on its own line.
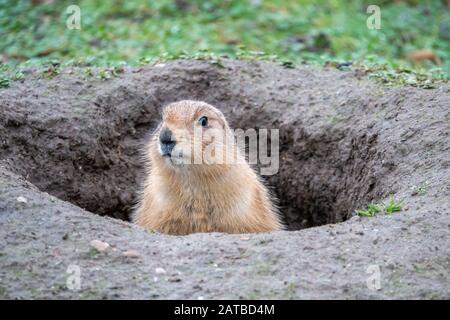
<point>375,208</point>
<point>288,31</point>
<point>392,206</point>
<point>4,82</point>
<point>93,253</point>
<point>371,210</point>
<point>421,189</point>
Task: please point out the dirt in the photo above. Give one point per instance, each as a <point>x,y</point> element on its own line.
<point>70,147</point>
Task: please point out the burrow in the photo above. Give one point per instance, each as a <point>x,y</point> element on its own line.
<point>92,157</point>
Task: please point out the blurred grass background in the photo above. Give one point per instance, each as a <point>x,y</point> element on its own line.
<point>112,32</point>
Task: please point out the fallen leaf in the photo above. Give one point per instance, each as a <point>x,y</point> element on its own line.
<point>424,54</point>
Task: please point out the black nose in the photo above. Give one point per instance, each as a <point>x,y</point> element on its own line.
<point>167,141</point>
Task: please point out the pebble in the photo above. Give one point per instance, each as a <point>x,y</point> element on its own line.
<point>174,279</point>
<point>99,245</point>
<point>131,254</point>
<point>160,271</point>
<point>21,199</point>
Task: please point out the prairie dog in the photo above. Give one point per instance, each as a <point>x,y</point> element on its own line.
<point>187,190</point>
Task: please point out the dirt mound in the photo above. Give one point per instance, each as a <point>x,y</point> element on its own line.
<point>344,142</point>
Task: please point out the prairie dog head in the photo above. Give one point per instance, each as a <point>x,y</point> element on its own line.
<point>192,134</point>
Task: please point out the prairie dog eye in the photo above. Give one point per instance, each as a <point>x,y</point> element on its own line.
<point>203,121</point>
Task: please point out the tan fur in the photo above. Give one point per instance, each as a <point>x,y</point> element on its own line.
<point>203,197</point>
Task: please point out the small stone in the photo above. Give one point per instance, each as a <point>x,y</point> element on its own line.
<point>160,271</point>
<point>21,199</point>
<point>245,238</point>
<point>174,279</point>
<point>99,245</point>
<point>131,254</point>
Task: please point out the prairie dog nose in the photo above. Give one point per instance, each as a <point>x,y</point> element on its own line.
<point>167,141</point>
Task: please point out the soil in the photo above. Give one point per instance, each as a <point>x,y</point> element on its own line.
<point>70,146</point>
